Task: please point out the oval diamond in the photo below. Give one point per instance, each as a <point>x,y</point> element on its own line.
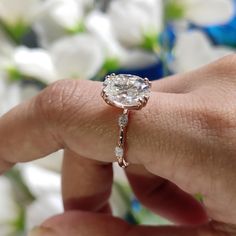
<point>126,91</point>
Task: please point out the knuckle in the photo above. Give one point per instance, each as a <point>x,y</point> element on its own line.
<point>57,102</point>
<point>225,66</point>
<point>214,121</point>
<point>214,130</point>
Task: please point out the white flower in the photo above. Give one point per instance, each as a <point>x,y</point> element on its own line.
<point>48,30</point>
<point>78,56</point>
<point>6,45</point>
<point>10,94</point>
<point>35,63</point>
<point>193,50</point>
<point>9,209</point>
<point>67,13</point>
<point>118,204</point>
<point>137,58</point>
<point>39,180</point>
<point>99,24</point>
<point>134,20</point>
<point>52,162</point>
<point>208,12</point>
<point>43,208</point>
<point>15,12</point>
<point>6,50</point>
<point>45,185</point>
<point>87,4</point>
<point>58,17</point>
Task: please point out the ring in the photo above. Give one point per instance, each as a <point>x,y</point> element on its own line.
<point>127,92</point>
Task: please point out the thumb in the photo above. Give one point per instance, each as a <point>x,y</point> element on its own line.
<point>87,224</point>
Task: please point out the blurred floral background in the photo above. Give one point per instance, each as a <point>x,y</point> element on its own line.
<point>42,41</point>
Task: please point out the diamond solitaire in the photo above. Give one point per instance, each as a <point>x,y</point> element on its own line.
<point>128,92</point>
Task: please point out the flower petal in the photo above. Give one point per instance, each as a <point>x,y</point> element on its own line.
<point>99,25</point>
<point>6,51</point>
<point>52,162</point>
<point>39,180</point>
<point>36,63</point>
<point>193,50</point>
<point>137,58</point>
<point>9,209</point>
<point>13,12</point>
<point>44,207</point>
<point>10,95</point>
<point>210,12</point>
<point>132,20</point>
<point>67,13</point>
<point>56,17</point>
<point>79,56</point>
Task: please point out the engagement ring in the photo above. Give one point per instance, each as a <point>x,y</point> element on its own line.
<point>128,92</point>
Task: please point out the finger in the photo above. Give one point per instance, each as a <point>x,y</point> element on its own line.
<point>165,198</point>
<point>25,136</point>
<point>160,136</point>
<point>173,84</point>
<point>64,115</point>
<point>170,136</point>
<point>86,184</point>
<point>87,224</point>
<point>192,80</point>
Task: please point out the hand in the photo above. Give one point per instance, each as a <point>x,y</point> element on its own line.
<point>182,143</point>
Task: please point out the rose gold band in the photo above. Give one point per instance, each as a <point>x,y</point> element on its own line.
<point>120,149</point>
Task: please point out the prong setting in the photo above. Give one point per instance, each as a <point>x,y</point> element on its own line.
<point>128,92</point>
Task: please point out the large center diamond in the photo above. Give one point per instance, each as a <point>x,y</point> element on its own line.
<point>126,91</point>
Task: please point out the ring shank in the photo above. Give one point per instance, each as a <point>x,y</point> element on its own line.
<point>121,148</point>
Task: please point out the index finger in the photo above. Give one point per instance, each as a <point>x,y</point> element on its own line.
<point>71,114</point>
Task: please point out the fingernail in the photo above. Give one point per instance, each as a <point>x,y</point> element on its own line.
<point>41,231</point>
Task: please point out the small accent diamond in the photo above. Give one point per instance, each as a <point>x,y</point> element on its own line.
<point>119,152</point>
<point>123,120</point>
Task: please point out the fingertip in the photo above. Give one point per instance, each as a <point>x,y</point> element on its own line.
<point>42,231</point>
<point>74,223</point>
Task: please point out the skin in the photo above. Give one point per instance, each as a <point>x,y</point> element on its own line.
<point>182,143</point>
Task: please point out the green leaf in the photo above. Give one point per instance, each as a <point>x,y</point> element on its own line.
<point>21,190</point>
<point>14,74</point>
<point>147,217</point>
<point>15,32</point>
<point>126,193</point>
<point>143,216</point>
<point>111,64</point>
<point>150,42</point>
<point>79,28</point>
<point>199,197</point>
<point>23,197</point>
<point>174,10</point>
<point>19,223</point>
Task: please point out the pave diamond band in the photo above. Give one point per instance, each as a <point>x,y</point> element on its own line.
<point>128,92</point>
